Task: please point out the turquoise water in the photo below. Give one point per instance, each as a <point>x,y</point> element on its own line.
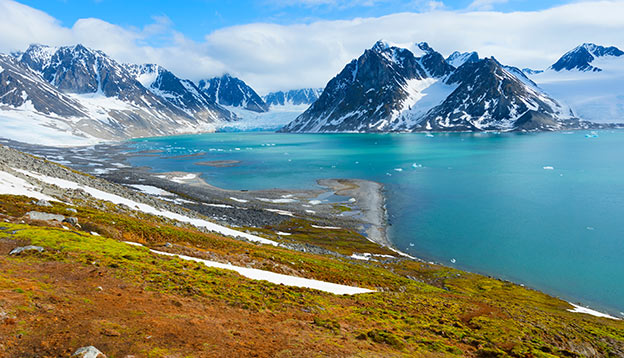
<point>484,200</point>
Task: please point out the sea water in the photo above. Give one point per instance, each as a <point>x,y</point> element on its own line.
<point>542,209</point>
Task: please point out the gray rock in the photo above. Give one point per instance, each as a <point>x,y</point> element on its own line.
<point>88,352</point>
<point>72,210</point>
<point>43,203</point>
<point>19,250</point>
<point>71,220</point>
<point>37,215</point>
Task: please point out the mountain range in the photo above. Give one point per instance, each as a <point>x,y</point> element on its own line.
<point>74,94</point>
<point>389,89</point>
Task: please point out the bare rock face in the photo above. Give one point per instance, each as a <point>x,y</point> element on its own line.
<point>88,352</point>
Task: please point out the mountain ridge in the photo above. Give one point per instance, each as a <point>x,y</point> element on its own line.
<point>401,92</point>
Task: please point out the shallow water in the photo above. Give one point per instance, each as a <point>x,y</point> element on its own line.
<point>546,209</point>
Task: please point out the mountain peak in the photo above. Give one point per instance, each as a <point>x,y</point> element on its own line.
<point>581,57</point>
<point>425,47</point>
<point>457,58</point>
<point>380,46</point>
<point>232,91</point>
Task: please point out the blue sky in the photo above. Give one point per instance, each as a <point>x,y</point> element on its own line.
<point>196,18</point>
<point>287,44</point>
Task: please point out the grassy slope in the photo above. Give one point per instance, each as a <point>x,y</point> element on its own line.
<point>151,305</point>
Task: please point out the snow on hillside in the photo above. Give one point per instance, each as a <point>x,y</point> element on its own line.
<point>593,96</point>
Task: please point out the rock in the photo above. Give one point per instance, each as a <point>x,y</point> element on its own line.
<point>88,352</point>
<point>72,210</point>
<point>168,244</point>
<point>43,203</point>
<point>37,215</point>
<point>71,220</point>
<point>19,250</point>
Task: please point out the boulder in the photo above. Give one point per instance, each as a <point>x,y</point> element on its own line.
<point>71,220</point>
<point>19,250</point>
<point>37,215</point>
<point>43,203</point>
<point>88,352</point>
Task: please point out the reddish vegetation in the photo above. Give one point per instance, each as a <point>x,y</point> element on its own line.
<point>123,320</point>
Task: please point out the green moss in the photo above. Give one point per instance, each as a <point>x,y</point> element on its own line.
<point>420,307</point>
<point>327,323</point>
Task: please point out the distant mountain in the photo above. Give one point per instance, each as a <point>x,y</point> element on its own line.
<point>80,92</point>
<point>231,91</point>
<point>183,94</point>
<point>305,96</point>
<point>590,80</point>
<point>581,57</point>
<point>457,58</point>
<point>390,89</point>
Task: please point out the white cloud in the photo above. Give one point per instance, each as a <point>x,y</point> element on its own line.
<point>270,56</point>
<point>485,4</point>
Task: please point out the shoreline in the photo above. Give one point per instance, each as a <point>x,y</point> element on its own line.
<point>369,195</point>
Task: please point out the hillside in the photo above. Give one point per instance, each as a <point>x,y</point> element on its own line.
<point>131,274</point>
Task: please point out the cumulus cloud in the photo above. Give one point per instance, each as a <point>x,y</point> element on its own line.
<point>272,57</point>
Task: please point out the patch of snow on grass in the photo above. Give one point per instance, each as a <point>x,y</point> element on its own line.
<point>327,227</point>
<point>589,311</point>
<point>276,278</point>
<point>102,195</point>
<point>151,190</point>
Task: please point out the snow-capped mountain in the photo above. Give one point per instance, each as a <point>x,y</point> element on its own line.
<point>590,80</point>
<point>390,89</point>
<point>490,96</point>
<point>581,57</point>
<point>232,92</point>
<point>183,94</point>
<point>82,94</point>
<point>457,58</point>
<point>298,97</point>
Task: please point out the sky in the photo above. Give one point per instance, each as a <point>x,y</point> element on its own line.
<point>287,44</point>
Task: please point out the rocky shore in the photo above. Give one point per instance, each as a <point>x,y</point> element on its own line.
<point>348,203</point>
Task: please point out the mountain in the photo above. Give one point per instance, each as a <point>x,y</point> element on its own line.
<point>232,92</point>
<point>590,80</point>
<point>581,57</point>
<point>457,58</point>
<point>390,89</point>
<point>21,87</point>
<point>78,94</point>
<point>298,97</point>
<point>183,94</point>
<point>490,96</point>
